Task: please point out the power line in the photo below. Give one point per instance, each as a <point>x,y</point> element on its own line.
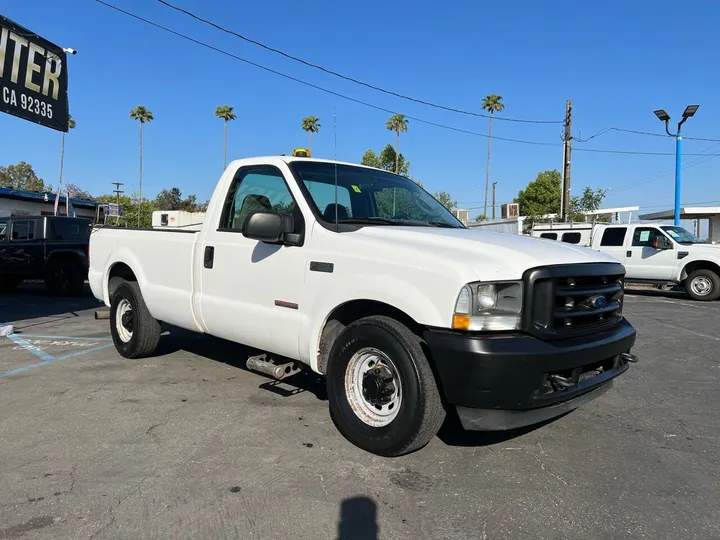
<point>345,77</point>
<point>315,86</point>
<point>636,132</point>
<point>638,153</point>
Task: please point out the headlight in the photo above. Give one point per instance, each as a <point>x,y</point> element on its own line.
<point>489,306</point>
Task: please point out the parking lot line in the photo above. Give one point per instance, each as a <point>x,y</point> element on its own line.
<point>47,358</point>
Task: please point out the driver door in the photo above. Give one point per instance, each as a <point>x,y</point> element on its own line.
<point>646,259</point>
<point>251,292</point>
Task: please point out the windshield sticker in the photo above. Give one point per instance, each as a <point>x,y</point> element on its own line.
<point>644,236</point>
<point>672,233</point>
<point>355,189</point>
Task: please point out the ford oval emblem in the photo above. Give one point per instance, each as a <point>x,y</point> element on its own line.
<point>597,302</point>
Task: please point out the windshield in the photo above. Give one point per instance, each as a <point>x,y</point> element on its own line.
<point>681,236</point>
<point>370,196</point>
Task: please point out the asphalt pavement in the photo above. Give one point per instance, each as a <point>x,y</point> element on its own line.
<point>189,444</point>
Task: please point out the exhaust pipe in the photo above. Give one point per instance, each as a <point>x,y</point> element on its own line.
<point>102,314</point>
<point>261,364</point>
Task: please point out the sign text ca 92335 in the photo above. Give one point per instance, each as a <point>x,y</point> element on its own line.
<point>33,77</point>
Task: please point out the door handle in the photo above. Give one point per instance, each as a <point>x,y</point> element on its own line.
<point>209,257</point>
<point>628,253</point>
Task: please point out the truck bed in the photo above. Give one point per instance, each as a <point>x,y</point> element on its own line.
<point>163,262</point>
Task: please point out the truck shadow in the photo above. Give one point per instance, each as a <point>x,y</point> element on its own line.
<point>453,434</point>
<point>235,355</point>
<point>31,301</point>
<point>659,293</point>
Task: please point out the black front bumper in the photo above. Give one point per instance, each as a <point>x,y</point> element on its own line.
<point>504,381</point>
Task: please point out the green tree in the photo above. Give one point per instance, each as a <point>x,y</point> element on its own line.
<point>446,200</point>
<point>226,113</point>
<point>142,115</point>
<point>541,196</point>
<point>370,159</point>
<point>311,124</point>
<point>589,201</point>
<point>399,124</point>
<point>21,176</point>
<point>134,215</point>
<point>172,199</point>
<point>480,217</point>
<point>387,160</point>
<point>492,104</point>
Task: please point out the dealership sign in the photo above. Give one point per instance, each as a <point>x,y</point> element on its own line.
<point>33,77</point>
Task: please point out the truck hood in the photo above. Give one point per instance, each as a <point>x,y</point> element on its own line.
<point>489,255</point>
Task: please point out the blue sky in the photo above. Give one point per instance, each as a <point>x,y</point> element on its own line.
<point>617,61</point>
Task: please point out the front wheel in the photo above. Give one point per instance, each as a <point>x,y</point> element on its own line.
<point>703,285</point>
<point>382,391</point>
<point>135,332</point>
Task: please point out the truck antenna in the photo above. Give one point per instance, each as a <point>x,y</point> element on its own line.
<point>335,161</point>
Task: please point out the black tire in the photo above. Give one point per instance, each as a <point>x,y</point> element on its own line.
<point>421,411</point>
<point>703,285</point>
<point>64,276</point>
<point>9,283</point>
<point>145,330</point>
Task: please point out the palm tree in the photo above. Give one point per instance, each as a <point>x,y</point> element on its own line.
<point>311,124</point>
<point>226,113</point>
<point>397,123</point>
<point>491,104</point>
<point>71,125</point>
<point>143,115</point>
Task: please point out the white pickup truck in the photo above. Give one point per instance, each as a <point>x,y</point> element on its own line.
<point>651,253</point>
<point>362,276</point>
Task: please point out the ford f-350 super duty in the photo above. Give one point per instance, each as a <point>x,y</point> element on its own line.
<point>362,276</point>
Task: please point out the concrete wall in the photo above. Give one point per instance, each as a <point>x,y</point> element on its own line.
<point>12,207</point>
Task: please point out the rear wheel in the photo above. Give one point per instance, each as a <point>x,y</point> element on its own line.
<point>703,285</point>
<point>382,392</point>
<point>135,332</point>
<point>64,277</point>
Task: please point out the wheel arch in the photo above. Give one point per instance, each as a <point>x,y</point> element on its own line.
<point>701,264</point>
<point>120,270</point>
<point>352,310</point>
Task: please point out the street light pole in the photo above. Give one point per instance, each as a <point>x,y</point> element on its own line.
<point>689,111</point>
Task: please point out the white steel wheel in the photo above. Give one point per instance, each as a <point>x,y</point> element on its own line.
<point>124,320</point>
<point>701,285</point>
<point>373,387</point>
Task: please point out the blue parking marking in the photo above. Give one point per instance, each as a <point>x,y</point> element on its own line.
<point>46,358</point>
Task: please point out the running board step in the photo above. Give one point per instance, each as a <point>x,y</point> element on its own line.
<point>266,365</point>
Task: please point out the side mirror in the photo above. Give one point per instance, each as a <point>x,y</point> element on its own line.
<point>266,226</point>
<point>662,243</point>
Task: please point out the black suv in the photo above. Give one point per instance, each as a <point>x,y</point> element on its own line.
<point>51,248</point>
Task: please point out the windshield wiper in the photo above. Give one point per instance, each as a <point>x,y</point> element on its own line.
<point>444,224</point>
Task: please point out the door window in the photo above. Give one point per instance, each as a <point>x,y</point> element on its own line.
<point>23,230</point>
<point>614,237</point>
<point>646,237</point>
<point>257,188</point>
<point>549,235</point>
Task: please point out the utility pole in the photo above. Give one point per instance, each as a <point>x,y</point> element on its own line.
<point>493,201</point>
<point>567,152</point>
<point>117,191</point>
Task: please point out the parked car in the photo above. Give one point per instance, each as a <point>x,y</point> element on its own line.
<point>652,253</point>
<point>51,248</point>
<point>364,277</point>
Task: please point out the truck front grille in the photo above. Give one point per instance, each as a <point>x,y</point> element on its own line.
<point>573,300</point>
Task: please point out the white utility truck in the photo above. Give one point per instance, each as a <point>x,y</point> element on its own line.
<point>651,253</point>
<point>362,276</point>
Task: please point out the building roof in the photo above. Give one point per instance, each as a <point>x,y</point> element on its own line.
<point>19,194</point>
<point>687,212</point>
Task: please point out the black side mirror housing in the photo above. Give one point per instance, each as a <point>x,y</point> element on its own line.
<point>270,227</point>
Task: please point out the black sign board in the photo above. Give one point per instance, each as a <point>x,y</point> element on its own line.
<point>33,77</point>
